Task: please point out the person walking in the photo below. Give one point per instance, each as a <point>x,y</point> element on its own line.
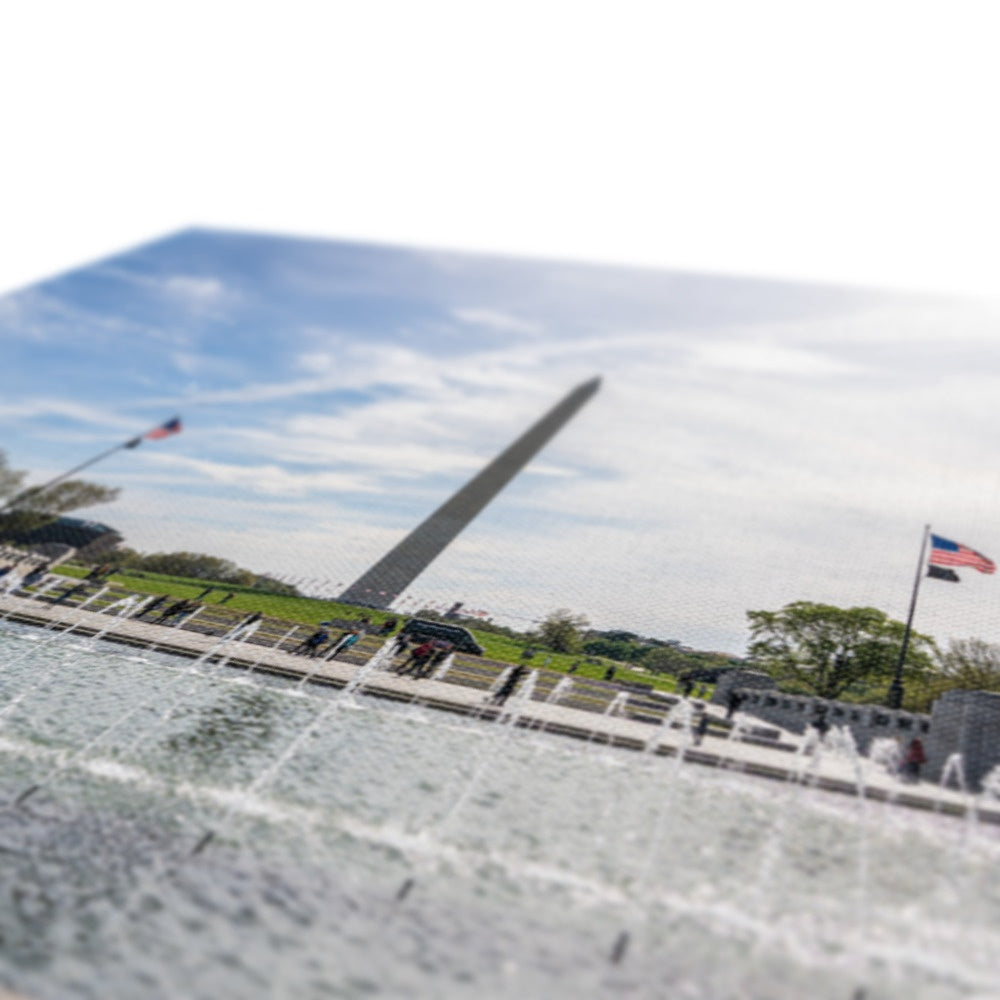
<point>71,591</point>
<point>312,643</point>
<point>344,643</point>
<point>178,609</point>
<point>508,687</point>
<point>153,605</point>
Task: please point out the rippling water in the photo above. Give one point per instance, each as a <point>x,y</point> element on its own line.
<point>521,859</point>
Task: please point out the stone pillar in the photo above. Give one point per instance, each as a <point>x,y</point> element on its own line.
<point>398,568</point>
<point>965,722</point>
<point>741,679</point>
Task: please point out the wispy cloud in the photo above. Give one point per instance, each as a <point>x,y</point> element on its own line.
<point>41,408</point>
<point>750,444</point>
<point>494,319</point>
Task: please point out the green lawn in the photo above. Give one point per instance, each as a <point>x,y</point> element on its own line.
<point>310,611</point>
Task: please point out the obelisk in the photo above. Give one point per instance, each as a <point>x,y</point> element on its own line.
<point>380,585</point>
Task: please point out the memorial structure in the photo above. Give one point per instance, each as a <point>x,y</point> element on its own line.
<point>380,585</point>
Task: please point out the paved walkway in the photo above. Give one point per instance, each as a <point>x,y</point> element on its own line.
<point>781,758</point>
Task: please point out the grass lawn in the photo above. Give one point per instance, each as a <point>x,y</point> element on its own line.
<point>310,611</point>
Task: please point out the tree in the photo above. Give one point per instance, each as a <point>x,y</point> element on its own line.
<point>10,479</point>
<point>666,660</point>
<point>560,631</point>
<point>829,651</point>
<point>970,664</point>
<point>275,586</point>
<point>33,508</point>
<point>613,649</point>
<point>198,566</point>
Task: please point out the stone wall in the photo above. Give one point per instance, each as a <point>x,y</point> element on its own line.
<point>965,722</point>
<point>763,700</point>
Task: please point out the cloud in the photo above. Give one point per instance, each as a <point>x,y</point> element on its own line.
<point>44,408</point>
<point>266,479</point>
<point>200,294</point>
<point>763,358</point>
<point>195,291</point>
<point>496,320</point>
<point>760,454</point>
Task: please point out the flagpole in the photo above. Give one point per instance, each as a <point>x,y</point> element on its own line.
<point>895,699</point>
<point>37,490</point>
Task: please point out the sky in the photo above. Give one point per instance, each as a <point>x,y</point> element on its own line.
<point>753,442</point>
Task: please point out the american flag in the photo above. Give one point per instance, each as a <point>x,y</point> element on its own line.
<point>164,430</point>
<point>172,426</point>
<point>947,553</point>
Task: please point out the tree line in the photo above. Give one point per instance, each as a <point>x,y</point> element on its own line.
<point>851,654</point>
<point>23,510</point>
<point>848,654</point>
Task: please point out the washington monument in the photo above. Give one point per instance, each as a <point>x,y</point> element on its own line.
<point>398,568</point>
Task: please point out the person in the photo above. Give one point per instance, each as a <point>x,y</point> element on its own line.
<point>388,627</point>
<point>914,757</point>
<point>241,625</point>
<point>821,724</point>
<point>733,702</point>
<point>71,591</point>
<point>36,575</point>
<point>687,686</point>
<point>500,696</point>
<point>419,656</point>
<point>153,605</point>
<point>176,610</point>
<point>401,644</point>
<point>700,727</point>
<point>344,642</point>
<point>609,674</point>
<point>312,643</point>
<point>436,658</point>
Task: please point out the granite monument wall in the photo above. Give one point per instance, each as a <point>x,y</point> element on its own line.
<point>866,723</point>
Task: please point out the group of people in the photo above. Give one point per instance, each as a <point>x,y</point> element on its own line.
<point>314,644</point>
<point>15,580</point>
<point>176,612</point>
<point>420,660</point>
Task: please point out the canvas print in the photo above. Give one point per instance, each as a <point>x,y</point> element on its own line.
<point>386,621</point>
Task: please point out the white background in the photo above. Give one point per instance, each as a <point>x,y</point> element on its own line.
<point>846,142</point>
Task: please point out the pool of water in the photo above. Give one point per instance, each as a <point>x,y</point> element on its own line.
<point>171,830</point>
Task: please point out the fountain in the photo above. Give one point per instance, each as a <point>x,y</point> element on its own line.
<point>195,836</point>
<point>443,667</point>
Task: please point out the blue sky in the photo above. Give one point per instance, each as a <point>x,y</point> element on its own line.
<point>753,442</point>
